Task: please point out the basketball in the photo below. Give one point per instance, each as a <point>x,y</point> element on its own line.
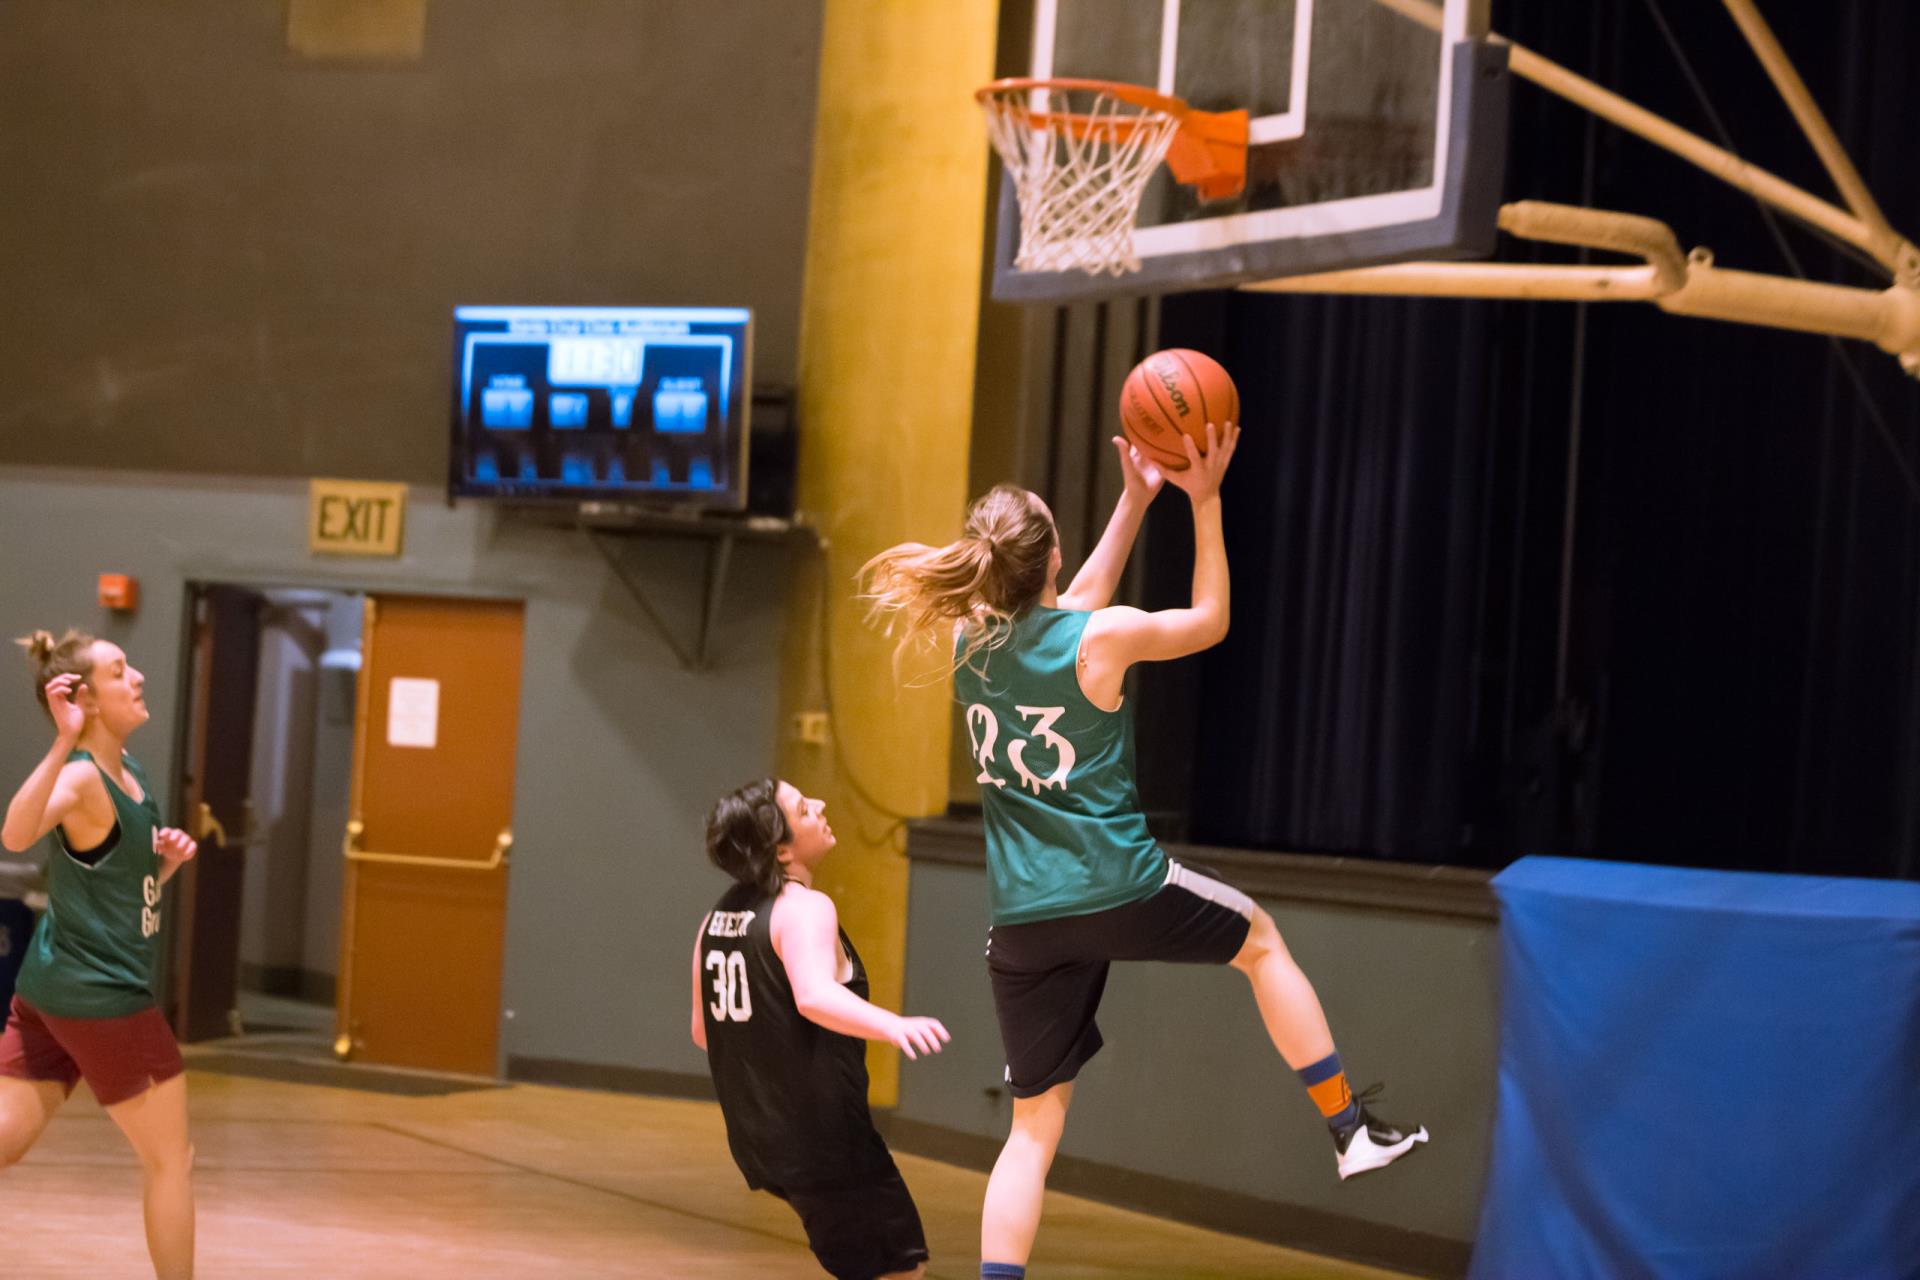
<point>1173,393</point>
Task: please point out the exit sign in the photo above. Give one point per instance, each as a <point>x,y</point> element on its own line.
<point>355,517</point>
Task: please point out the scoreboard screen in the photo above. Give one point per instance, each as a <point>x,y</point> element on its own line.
<point>602,403</point>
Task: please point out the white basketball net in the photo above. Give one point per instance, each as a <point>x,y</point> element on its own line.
<point>1078,176</point>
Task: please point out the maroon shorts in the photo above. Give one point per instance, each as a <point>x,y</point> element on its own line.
<point>119,1058</point>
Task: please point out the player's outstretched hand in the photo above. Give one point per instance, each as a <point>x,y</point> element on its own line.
<point>925,1035</point>
<point>1204,471</point>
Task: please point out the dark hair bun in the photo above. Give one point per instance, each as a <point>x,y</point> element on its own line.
<point>745,830</point>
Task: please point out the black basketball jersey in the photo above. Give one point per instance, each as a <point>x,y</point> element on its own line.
<point>794,1094</point>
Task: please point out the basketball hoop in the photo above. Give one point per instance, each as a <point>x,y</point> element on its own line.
<point>1079,173</point>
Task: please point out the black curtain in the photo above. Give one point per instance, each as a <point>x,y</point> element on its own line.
<point>1540,578</point>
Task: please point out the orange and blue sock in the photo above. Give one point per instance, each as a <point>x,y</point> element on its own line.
<point>1326,1083</point>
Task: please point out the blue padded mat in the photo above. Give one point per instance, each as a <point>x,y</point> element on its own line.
<point>1704,1074</point>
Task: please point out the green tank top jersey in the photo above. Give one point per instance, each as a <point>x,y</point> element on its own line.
<point>93,954</point>
<point>1065,835</point>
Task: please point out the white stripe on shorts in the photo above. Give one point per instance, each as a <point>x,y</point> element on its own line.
<point>1210,889</point>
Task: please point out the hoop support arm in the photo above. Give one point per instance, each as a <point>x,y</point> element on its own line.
<point>1665,271</point>
<point>1883,245</point>
<point>1898,253</point>
<point>1628,233</point>
<point>1888,318</point>
<point>1517,281</point>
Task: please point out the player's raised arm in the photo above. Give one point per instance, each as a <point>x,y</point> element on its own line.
<point>50,792</point>
<point>1094,585</point>
<point>1119,637</point>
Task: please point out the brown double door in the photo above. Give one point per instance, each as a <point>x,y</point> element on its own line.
<point>427,848</point>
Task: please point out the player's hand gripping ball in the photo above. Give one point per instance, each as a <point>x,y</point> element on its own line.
<point>1174,393</point>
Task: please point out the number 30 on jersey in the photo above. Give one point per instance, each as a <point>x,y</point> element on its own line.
<point>731,1002</point>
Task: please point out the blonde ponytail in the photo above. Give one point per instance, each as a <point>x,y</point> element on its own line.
<point>995,570</point>
<point>39,646</point>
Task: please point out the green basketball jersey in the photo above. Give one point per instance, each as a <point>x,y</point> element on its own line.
<point>1065,835</point>
<point>92,955</point>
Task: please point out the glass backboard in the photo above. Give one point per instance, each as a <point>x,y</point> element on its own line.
<point>1377,134</point>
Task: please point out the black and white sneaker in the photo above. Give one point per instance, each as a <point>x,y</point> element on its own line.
<point>1372,1143</point>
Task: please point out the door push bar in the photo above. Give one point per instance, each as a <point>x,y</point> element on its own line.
<point>502,846</point>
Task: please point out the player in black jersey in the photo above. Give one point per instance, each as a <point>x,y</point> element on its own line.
<point>780,1005</point>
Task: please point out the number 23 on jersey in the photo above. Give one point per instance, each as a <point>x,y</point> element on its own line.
<point>983,732</point>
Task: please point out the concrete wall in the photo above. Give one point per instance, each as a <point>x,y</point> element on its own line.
<point>1188,1088</point>
<point>620,750</point>
<point>226,256</point>
<point>233,249</point>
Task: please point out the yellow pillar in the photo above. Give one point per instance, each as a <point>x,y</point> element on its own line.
<point>888,322</point>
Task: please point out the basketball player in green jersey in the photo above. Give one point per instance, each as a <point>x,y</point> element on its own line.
<point>85,1007</point>
<point>1075,881</point>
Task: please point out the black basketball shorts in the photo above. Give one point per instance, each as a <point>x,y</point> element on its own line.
<point>1048,975</point>
<point>862,1229</point>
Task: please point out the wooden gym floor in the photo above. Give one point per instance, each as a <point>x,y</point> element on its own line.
<point>305,1179</point>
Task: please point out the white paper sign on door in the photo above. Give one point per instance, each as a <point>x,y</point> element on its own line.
<point>413,712</point>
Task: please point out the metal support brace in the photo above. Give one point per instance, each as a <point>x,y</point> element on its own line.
<point>719,541</point>
<point>1889,318</point>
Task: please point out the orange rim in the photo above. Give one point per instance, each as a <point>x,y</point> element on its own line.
<point>1208,153</point>
<point>1078,121</point>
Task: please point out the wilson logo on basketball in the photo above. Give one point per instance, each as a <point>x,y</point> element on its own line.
<point>1170,382</point>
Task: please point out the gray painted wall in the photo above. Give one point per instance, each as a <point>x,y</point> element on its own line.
<point>229,259</point>
<point>225,258</point>
<point>1188,1087</point>
<point>620,751</point>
